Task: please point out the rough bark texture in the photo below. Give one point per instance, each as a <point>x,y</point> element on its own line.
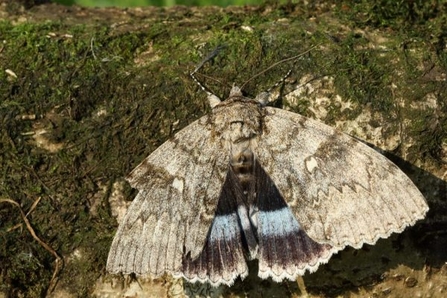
<point>86,94</point>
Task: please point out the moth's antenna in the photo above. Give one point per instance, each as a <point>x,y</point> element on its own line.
<point>274,65</point>
<point>209,57</point>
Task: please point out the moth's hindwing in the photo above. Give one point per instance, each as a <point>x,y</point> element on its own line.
<point>222,258</point>
<point>341,191</point>
<point>285,249</point>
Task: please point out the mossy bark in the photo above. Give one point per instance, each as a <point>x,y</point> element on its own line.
<point>86,94</point>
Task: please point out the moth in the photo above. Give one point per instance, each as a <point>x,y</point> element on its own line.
<point>249,181</point>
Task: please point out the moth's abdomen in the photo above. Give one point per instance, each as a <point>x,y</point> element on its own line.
<point>242,163</point>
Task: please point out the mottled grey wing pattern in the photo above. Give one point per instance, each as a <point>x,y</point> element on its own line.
<point>341,191</point>
<point>179,185</point>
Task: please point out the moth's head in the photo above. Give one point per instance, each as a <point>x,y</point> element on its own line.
<point>236,95</point>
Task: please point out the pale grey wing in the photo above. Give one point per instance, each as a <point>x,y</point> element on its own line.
<point>179,186</point>
<point>341,191</point>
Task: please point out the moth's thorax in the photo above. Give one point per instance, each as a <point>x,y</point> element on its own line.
<point>237,119</point>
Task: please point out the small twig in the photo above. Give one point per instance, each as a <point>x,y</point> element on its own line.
<point>33,206</point>
<point>91,48</point>
<point>17,226</point>
<point>59,260</point>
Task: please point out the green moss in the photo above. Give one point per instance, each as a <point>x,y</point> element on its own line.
<point>388,13</point>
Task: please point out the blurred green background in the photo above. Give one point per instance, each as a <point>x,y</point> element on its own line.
<point>130,3</point>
